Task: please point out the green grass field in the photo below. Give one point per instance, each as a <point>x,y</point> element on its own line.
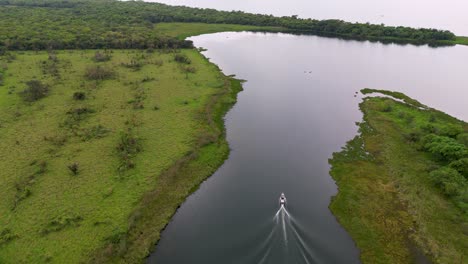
<point>49,214</point>
<point>387,200</point>
<point>184,30</point>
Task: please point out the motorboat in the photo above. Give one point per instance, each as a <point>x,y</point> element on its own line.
<point>282,199</point>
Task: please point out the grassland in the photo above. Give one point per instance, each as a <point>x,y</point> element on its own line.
<point>184,30</point>
<point>461,40</point>
<point>135,133</point>
<point>387,197</point>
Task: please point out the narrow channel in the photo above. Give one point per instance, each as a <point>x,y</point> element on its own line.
<point>298,107</point>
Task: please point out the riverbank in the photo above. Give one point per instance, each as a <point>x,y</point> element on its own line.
<point>90,136</point>
<point>175,184</point>
<point>391,199</point>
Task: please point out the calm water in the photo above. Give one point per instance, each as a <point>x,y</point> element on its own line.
<point>447,14</point>
<point>298,107</point>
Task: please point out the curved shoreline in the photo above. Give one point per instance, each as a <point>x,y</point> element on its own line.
<point>176,183</point>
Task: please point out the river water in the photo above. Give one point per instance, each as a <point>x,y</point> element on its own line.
<point>298,107</point>
<point>447,14</point>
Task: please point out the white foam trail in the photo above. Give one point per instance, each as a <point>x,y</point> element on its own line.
<point>286,211</point>
<point>303,245</point>
<point>284,226</point>
<point>277,213</point>
<point>264,258</point>
<point>305,259</point>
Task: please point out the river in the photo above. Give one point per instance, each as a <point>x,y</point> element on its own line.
<point>298,107</point>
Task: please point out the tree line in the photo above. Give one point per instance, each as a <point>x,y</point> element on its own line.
<point>79,24</point>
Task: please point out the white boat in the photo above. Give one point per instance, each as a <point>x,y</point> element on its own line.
<point>282,199</point>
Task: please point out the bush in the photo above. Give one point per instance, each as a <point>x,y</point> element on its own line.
<point>73,167</point>
<point>76,115</point>
<point>6,235</point>
<point>62,222</point>
<point>134,64</point>
<point>189,69</point>
<point>129,145</point>
<point>450,130</point>
<point>102,56</point>
<point>463,138</point>
<point>35,91</point>
<point>99,73</point>
<point>387,107</point>
<point>413,136</point>
<point>182,58</point>
<point>445,148</point>
<point>448,180</point>
<point>461,166</point>
<point>80,112</point>
<point>79,96</point>
<point>93,132</point>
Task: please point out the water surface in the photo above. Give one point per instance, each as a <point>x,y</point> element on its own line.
<point>298,107</point>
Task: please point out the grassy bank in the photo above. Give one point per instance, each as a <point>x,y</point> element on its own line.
<point>184,30</point>
<point>106,131</point>
<point>391,199</point>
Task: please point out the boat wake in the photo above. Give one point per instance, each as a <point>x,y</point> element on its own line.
<point>285,242</point>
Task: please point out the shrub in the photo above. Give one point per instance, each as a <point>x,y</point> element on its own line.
<point>79,112</point>
<point>463,139</point>
<point>6,235</point>
<point>182,58</point>
<point>79,96</point>
<point>461,166</point>
<point>102,56</point>
<point>387,107</point>
<point>76,115</point>
<point>147,79</point>
<point>35,90</point>
<point>61,222</point>
<point>129,145</point>
<point>189,69</point>
<point>429,129</point>
<point>134,64</point>
<point>99,73</point>
<point>73,167</point>
<point>57,140</point>
<point>450,130</point>
<point>53,57</point>
<point>158,62</point>
<point>98,131</point>
<point>413,136</point>
<point>445,148</point>
<point>448,180</point>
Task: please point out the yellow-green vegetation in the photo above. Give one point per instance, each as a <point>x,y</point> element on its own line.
<point>97,143</point>
<point>461,40</point>
<point>184,30</point>
<point>400,195</point>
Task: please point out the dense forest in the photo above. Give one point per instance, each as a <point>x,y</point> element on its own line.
<point>72,24</point>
